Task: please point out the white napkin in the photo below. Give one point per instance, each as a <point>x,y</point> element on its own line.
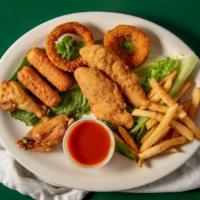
<point>16,177</point>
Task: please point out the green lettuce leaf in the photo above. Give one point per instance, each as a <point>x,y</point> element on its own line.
<point>68,48</point>
<point>73,103</point>
<point>123,149</point>
<point>188,64</point>
<point>139,129</point>
<point>128,46</point>
<point>28,118</point>
<point>21,65</point>
<point>157,69</point>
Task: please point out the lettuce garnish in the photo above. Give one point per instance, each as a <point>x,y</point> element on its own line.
<point>68,48</point>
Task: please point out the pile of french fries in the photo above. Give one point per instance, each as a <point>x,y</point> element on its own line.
<point>171,122</point>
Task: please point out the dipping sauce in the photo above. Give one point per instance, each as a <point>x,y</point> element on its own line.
<point>89,143</point>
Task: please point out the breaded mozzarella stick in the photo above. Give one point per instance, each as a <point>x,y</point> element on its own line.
<point>33,82</point>
<point>40,61</point>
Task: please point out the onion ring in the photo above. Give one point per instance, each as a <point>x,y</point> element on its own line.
<point>70,27</point>
<point>113,39</point>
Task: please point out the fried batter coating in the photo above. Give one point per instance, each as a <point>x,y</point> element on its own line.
<point>33,82</point>
<point>13,96</point>
<point>45,135</point>
<point>40,61</point>
<point>110,64</point>
<point>70,27</point>
<point>114,39</point>
<point>105,98</point>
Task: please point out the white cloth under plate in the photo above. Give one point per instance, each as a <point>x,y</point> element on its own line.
<point>16,177</point>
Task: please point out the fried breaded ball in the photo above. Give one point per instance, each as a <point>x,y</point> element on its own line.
<point>114,39</point>
<point>40,61</point>
<point>33,82</point>
<point>70,27</point>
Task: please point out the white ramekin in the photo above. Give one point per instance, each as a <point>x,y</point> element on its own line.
<point>70,157</point>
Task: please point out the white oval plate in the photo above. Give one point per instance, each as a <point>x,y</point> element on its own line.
<point>120,173</point>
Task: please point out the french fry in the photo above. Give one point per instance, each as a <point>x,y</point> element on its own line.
<point>183,90</point>
<point>144,113</point>
<point>171,150</point>
<point>176,125</point>
<point>165,132</point>
<point>195,102</point>
<point>157,149</point>
<point>192,126</point>
<point>166,83</point>
<point>175,134</point>
<point>158,133</point>
<point>148,133</point>
<point>183,130</point>
<point>162,109</point>
<point>162,93</point>
<point>150,123</point>
<point>186,105</point>
<point>181,113</point>
<point>170,77</point>
<point>158,117</point>
<point>140,162</point>
<point>128,139</point>
<point>165,97</point>
<point>156,107</point>
<point>155,97</point>
<point>117,137</point>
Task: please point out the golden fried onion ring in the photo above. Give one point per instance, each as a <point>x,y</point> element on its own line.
<point>113,39</point>
<point>70,27</point>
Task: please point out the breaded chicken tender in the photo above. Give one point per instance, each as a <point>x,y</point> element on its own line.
<point>40,61</point>
<point>111,65</point>
<point>45,135</point>
<point>13,96</point>
<point>104,96</point>
<point>33,82</point>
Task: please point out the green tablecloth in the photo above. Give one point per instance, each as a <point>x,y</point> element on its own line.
<point>182,17</point>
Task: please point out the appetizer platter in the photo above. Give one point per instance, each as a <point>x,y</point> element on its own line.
<point>113,102</point>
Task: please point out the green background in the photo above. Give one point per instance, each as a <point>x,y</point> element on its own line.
<point>182,17</point>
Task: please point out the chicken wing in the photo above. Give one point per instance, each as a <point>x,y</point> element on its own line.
<point>45,135</point>
<point>13,96</point>
<point>104,96</point>
<point>112,66</point>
